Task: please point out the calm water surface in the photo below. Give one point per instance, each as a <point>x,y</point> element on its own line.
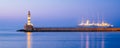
<point>13,39</point>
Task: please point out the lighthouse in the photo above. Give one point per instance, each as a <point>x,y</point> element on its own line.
<point>29,18</point>
<point>28,26</point>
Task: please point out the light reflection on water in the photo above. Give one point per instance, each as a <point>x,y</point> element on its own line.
<point>29,40</point>
<point>102,40</point>
<point>81,40</point>
<point>59,40</point>
<point>87,40</point>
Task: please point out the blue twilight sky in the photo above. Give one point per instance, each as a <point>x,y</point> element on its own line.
<point>52,13</point>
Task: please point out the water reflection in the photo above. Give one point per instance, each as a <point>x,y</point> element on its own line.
<point>28,39</point>
<point>102,40</point>
<point>85,40</point>
<point>81,40</point>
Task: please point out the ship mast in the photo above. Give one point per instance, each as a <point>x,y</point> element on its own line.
<point>82,21</point>
<point>102,19</point>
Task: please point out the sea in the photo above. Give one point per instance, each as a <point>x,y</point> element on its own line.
<point>10,38</point>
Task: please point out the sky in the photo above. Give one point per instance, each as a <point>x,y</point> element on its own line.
<point>58,13</point>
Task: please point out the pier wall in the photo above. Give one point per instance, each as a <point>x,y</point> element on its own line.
<point>75,29</point>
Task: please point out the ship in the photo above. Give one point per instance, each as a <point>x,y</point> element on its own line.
<point>95,25</point>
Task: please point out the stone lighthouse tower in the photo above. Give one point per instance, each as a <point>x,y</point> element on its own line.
<point>28,26</point>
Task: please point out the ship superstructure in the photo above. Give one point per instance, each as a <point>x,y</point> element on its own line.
<point>88,24</point>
